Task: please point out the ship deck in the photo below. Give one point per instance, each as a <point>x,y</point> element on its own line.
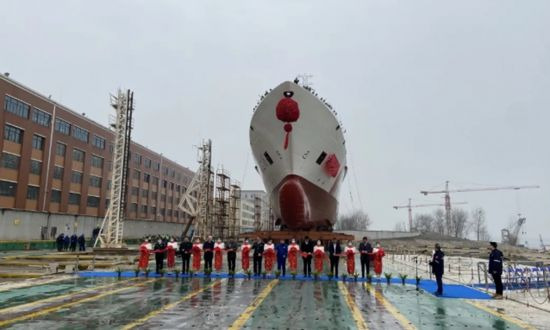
<point>94,299</point>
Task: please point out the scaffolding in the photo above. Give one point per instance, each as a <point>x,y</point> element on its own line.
<point>235,210</point>
<point>196,203</point>
<point>111,231</point>
<point>223,187</point>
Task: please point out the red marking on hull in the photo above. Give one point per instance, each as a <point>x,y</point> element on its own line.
<point>303,205</point>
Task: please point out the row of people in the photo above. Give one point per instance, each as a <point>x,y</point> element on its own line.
<point>267,252</point>
<point>68,243</point>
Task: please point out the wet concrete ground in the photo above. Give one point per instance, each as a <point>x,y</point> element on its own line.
<point>201,303</point>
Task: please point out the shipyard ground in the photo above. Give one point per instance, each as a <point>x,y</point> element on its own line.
<point>100,299</point>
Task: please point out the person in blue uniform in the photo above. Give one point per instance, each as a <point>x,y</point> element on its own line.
<point>258,252</point>
<point>495,269</point>
<point>282,253</point>
<point>438,267</point>
<point>60,239</point>
<point>307,255</point>
<point>66,242</point>
<point>365,249</point>
<point>208,248</point>
<point>81,243</point>
<point>74,239</point>
<point>334,250</point>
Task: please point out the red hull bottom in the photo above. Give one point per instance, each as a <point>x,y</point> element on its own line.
<point>303,205</point>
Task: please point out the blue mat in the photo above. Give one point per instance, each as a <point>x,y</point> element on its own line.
<point>449,290</point>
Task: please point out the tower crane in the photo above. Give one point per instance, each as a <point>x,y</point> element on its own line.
<point>409,206</point>
<point>447,192</point>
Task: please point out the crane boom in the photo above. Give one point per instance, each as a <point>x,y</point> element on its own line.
<point>410,207</point>
<point>424,192</point>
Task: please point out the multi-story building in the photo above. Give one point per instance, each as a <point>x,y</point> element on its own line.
<point>248,216</point>
<point>261,208</point>
<point>55,160</point>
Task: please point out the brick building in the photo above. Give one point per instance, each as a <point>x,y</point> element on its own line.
<point>58,161</point>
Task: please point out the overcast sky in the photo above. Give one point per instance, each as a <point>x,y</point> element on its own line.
<point>428,91</point>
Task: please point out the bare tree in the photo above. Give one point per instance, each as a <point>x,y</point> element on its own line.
<point>400,226</point>
<point>423,222</point>
<point>439,222</point>
<point>460,227</point>
<point>357,220</point>
<point>479,225</point>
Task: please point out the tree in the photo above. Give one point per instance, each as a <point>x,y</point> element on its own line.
<point>460,227</point>
<point>423,222</point>
<point>357,220</point>
<point>439,222</point>
<point>479,225</point>
<point>400,226</point>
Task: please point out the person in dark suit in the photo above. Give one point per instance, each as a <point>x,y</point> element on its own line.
<point>307,254</point>
<point>365,249</point>
<point>159,254</point>
<point>185,252</point>
<point>208,248</point>
<point>60,240</point>
<point>258,250</point>
<point>495,269</point>
<point>334,250</point>
<point>231,248</point>
<point>66,242</point>
<point>438,267</point>
<point>81,243</point>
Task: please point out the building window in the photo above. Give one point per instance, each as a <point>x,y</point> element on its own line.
<point>76,177</point>
<point>144,209</point>
<point>16,107</point>
<point>56,196</point>
<point>165,169</point>
<point>60,149</point>
<point>162,198</point>
<point>62,126</point>
<point>98,142</point>
<point>58,172</point>
<point>78,155</point>
<point>155,180</point>
<point>74,199</point>
<point>137,159</point>
<point>154,210</point>
<point>156,166</point>
<point>146,177</point>
<point>13,134</point>
<point>93,201</point>
<point>7,188</point>
<point>137,174</point>
<point>95,181</point>
<point>10,161</point>
<point>133,207</point>
<point>173,173</point>
<point>40,117</point>
<point>80,134</point>
<point>154,195</point>
<point>107,202</point>
<point>38,142</point>
<point>97,161</point>
<point>147,163</point>
<point>111,148</point>
<point>135,191</point>
<point>164,183</point>
<point>162,212</point>
<point>144,193</point>
<point>169,213</point>
<point>36,167</point>
<point>32,192</point>
<point>108,184</point>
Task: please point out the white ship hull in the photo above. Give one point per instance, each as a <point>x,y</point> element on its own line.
<point>302,165</point>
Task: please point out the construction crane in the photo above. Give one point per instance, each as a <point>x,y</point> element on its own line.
<point>447,192</point>
<point>511,236</point>
<point>410,207</point>
<point>542,246</point>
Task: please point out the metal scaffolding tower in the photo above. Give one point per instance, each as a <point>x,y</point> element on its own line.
<point>111,232</point>
<point>197,200</point>
<point>235,210</point>
<point>222,198</point>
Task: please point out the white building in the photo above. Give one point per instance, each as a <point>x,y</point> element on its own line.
<point>257,202</point>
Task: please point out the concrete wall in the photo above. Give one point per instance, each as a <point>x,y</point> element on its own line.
<point>374,235</point>
<point>25,225</point>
